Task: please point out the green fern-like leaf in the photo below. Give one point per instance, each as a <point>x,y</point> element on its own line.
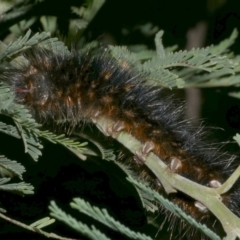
<point>19,188</point>
<point>63,140</point>
<point>122,54</point>
<point>223,47</point>
<point>159,46</point>
<point>55,46</point>
<point>165,78</point>
<point>103,217</point>
<point>141,52</point>
<point>10,168</point>
<point>150,193</point>
<point>198,59</point>
<point>41,223</point>
<point>9,130</point>
<point>24,123</point>
<point>105,153</point>
<point>216,79</point>
<point>90,232</point>
<point>23,43</point>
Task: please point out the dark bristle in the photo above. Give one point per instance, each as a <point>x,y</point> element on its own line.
<point>78,87</point>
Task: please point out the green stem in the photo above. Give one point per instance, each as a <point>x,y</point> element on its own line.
<point>208,196</point>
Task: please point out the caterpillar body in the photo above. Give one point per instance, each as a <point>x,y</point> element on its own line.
<point>78,87</point>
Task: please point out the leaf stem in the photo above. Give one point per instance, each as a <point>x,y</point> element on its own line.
<point>32,229</point>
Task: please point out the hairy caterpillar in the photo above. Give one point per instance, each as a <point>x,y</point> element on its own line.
<point>77,88</point>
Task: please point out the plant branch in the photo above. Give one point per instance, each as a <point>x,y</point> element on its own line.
<point>208,196</point>
<point>229,183</point>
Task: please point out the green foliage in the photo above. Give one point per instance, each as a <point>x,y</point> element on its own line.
<point>19,188</point>
<point>97,214</point>
<point>41,223</point>
<point>103,217</point>
<point>23,43</point>
<point>203,67</point>
<point>10,169</point>
<point>165,66</point>
<point>174,209</point>
<point>223,47</point>
<point>25,126</point>
<point>90,232</point>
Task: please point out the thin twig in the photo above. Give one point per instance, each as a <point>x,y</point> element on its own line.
<point>32,229</point>
<point>210,197</point>
<point>230,181</point>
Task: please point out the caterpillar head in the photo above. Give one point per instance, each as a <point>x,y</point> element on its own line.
<point>32,83</point>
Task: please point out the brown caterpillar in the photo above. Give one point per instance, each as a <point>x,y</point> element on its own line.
<point>75,88</point>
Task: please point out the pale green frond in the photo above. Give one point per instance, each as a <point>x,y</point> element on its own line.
<point>159,46</point>
<point>141,52</point>
<point>55,46</point>
<point>215,79</point>
<point>23,123</point>
<point>41,39</point>
<point>145,55</point>
<point>102,216</point>
<point>4,180</point>
<point>173,208</point>
<point>6,97</point>
<point>22,43</point>
<point>137,48</point>
<point>19,188</point>
<point>49,23</point>
<point>171,48</point>
<point>85,230</point>
<point>164,78</point>
<point>43,222</point>
<point>105,153</point>
<point>186,69</point>
<point>197,59</point>
<point>122,54</point>
<point>63,140</point>
<point>234,94</point>
<point>10,168</point>
<point>223,47</point>
<point>9,130</point>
